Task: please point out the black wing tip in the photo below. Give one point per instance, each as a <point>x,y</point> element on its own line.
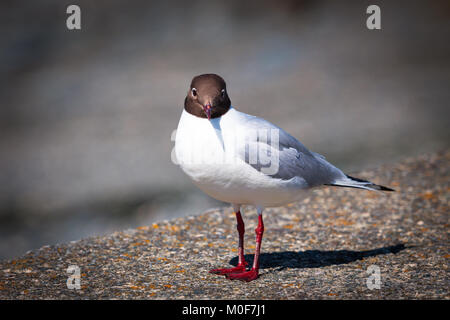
<point>378,187</point>
<point>383,188</point>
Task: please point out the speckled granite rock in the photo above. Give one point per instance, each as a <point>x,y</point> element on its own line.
<point>319,248</point>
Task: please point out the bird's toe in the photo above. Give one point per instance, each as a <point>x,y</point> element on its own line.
<point>243,276</point>
<point>238,269</point>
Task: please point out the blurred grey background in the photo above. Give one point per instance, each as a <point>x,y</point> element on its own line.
<point>86,116</point>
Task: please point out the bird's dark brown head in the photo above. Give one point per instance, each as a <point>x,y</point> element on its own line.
<point>207,97</point>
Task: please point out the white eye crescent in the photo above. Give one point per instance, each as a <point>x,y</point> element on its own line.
<point>223,92</point>
<point>194,92</point>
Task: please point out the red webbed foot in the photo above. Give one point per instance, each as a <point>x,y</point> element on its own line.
<point>238,269</point>
<point>243,276</point>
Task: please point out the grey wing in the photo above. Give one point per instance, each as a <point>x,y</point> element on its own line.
<point>282,156</point>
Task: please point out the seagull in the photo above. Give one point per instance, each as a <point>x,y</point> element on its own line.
<point>245,160</point>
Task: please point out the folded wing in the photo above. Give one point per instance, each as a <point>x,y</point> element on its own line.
<point>292,158</point>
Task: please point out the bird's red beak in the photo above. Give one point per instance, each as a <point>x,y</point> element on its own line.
<point>207,109</point>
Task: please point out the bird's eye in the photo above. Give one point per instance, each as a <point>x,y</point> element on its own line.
<point>194,92</point>
<point>222,93</point>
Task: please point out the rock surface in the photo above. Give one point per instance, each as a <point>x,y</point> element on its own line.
<point>318,248</point>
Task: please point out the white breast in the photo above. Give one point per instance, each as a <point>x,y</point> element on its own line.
<point>206,151</point>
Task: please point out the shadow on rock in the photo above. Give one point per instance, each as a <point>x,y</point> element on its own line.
<point>315,258</point>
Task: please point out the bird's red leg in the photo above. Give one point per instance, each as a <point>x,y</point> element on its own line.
<point>242,263</point>
<point>253,273</point>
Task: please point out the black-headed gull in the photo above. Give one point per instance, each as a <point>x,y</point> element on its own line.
<point>245,160</point>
